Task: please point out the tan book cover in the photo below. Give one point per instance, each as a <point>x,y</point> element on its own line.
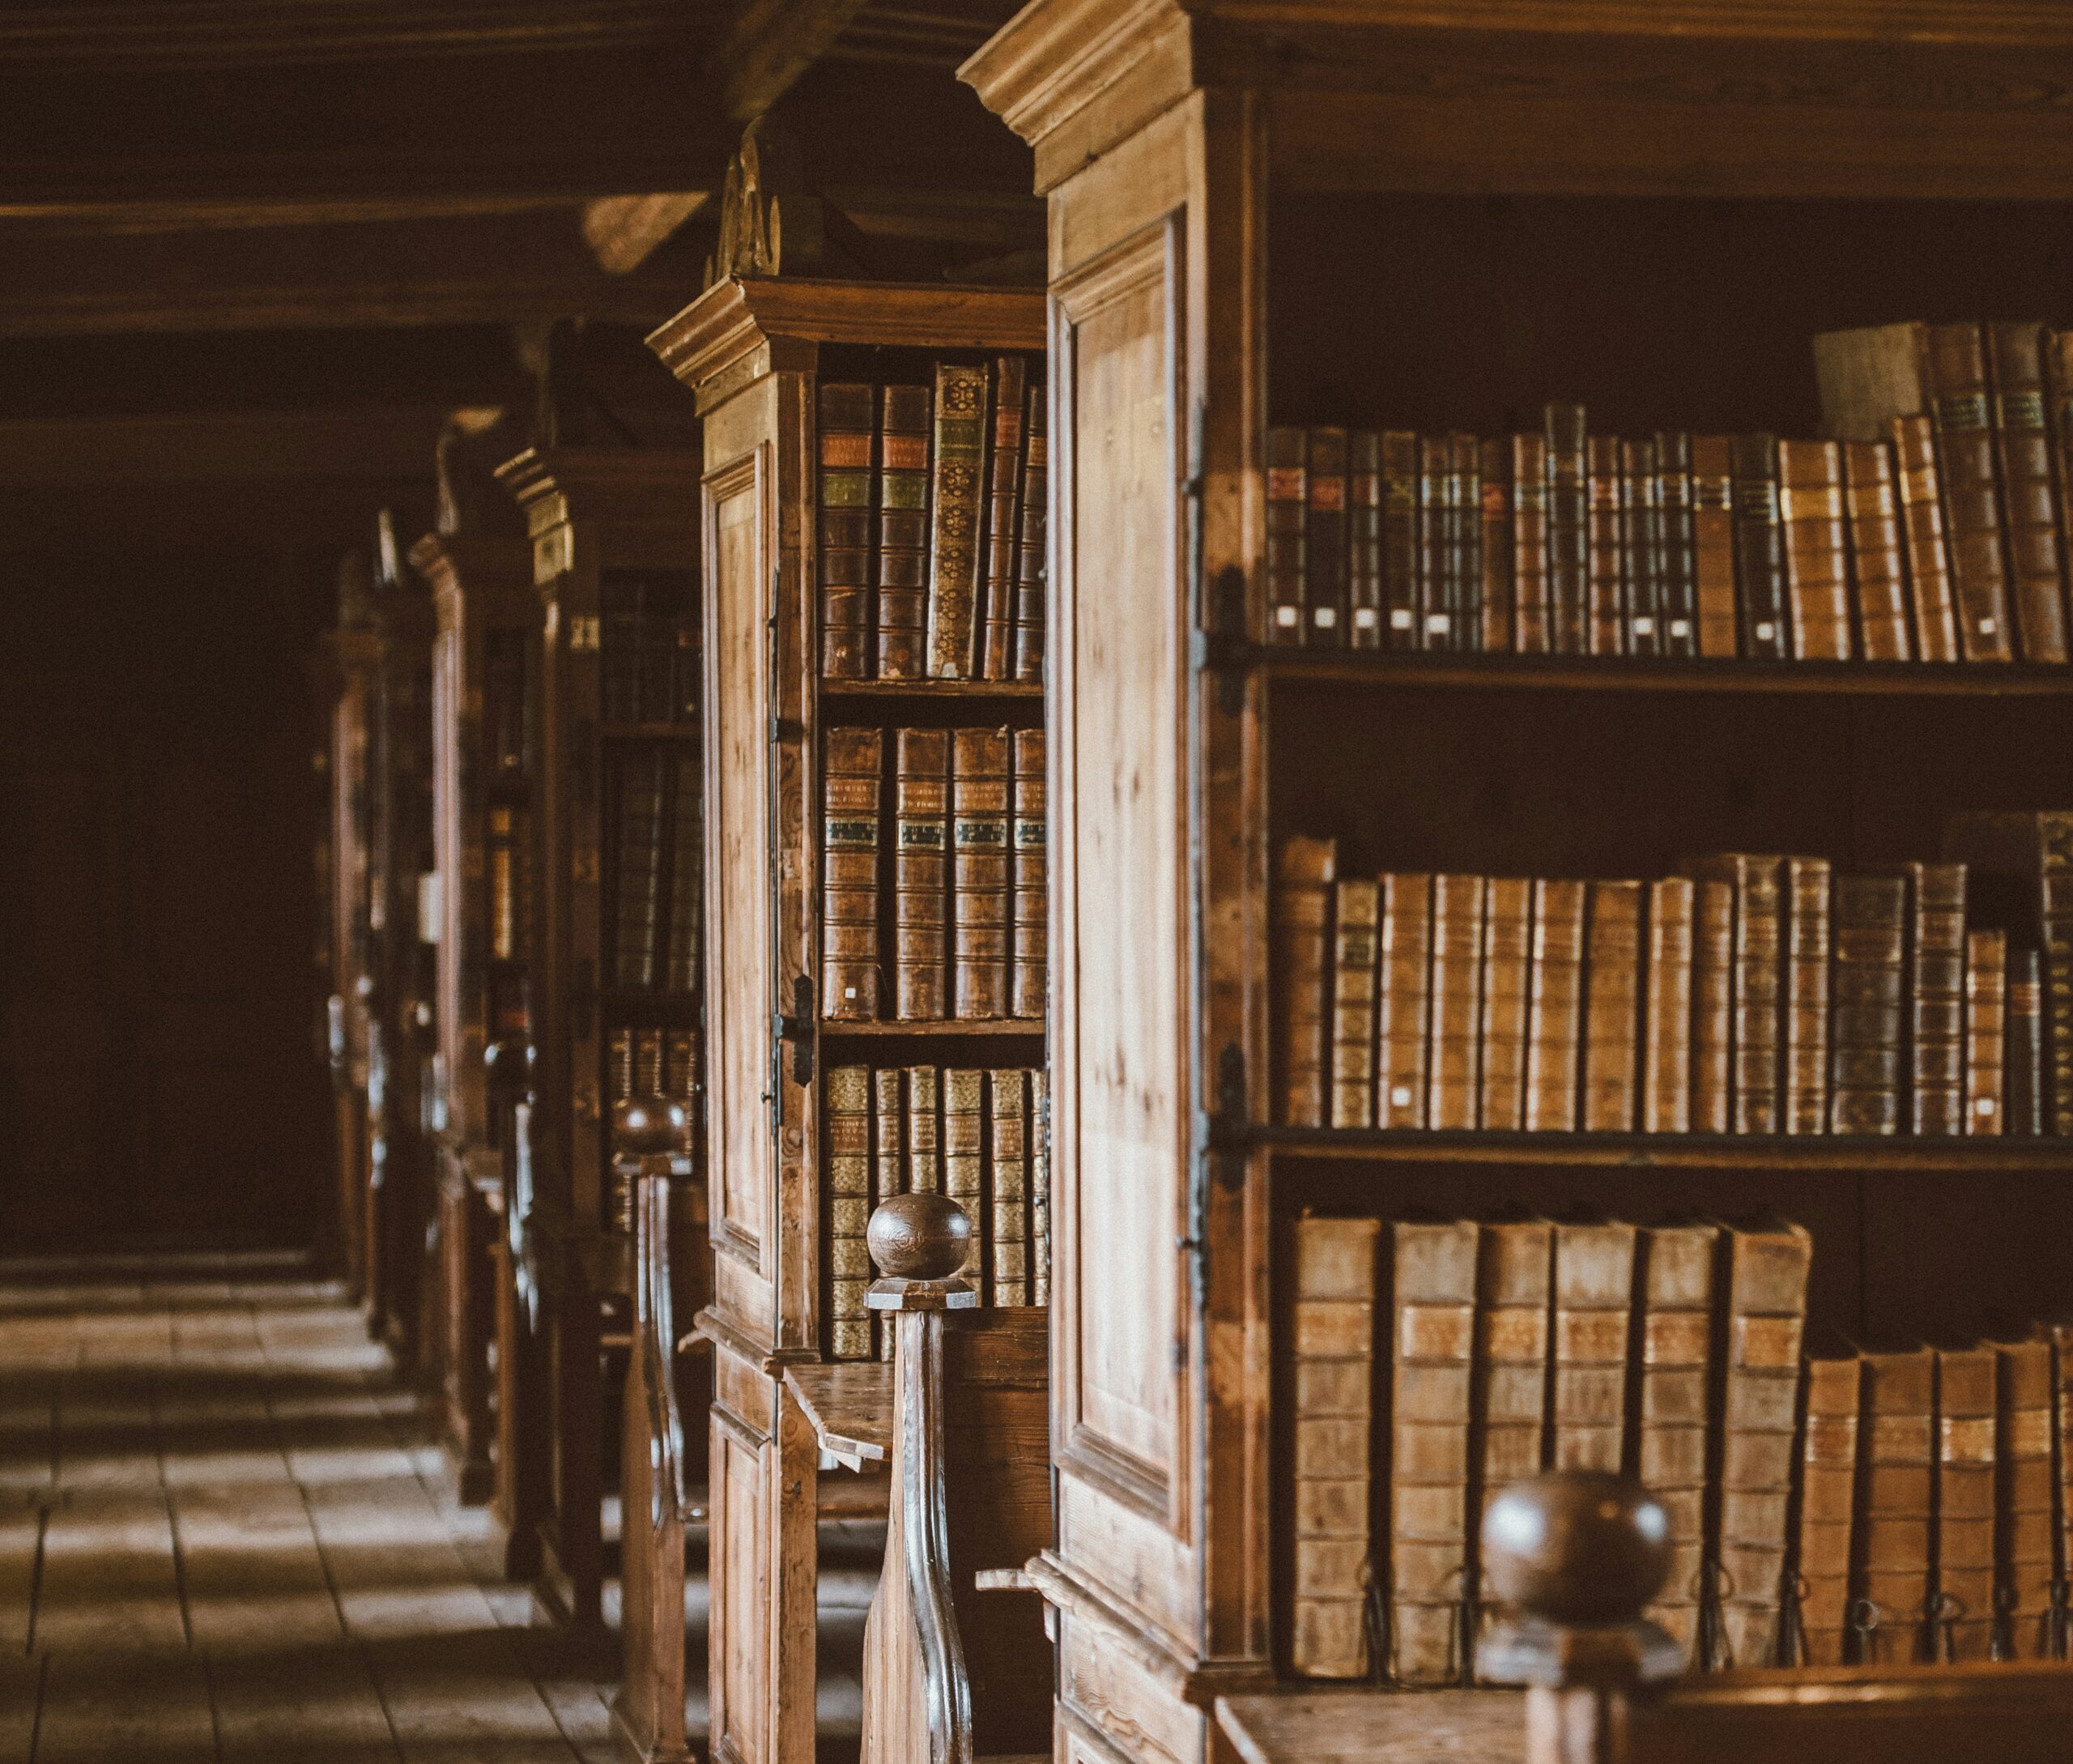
<point>1808,938</point>
<point>1612,981</point>
<point>1402,998</point>
<point>979,872</point>
<point>1515,1287</point>
<point>1967,1405</point>
<point>1896,1531</point>
<point>1986,1029</point>
<point>1007,1182</point>
<point>964,1168</point>
<point>1555,1028</point>
<point>1356,925</point>
<point>1029,982</point>
<point>1455,1075</point>
<point>1594,1310</point>
<point>1828,1503</point>
<point>2025,1495</point>
<point>924,1130</point>
<point>1667,1014</point>
<point>1507,1000</point>
<point>846,1131</point>
<point>1302,929</point>
<point>1676,1285</point>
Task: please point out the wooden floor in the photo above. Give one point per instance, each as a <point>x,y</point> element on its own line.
<point>222,1536</point>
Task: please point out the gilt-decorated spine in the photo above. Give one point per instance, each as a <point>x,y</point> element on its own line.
<point>1987,1006</point>
<point>1612,984</point>
<point>1004,486</point>
<point>921,820</point>
<point>1815,533</point>
<point>1808,936</point>
<point>1325,591</point>
<point>846,451</point>
<point>1970,473</point>
<point>1759,549</point>
<point>1667,1020</point>
<point>1676,1285</point>
<point>956,493</point>
<point>1029,542</point>
<point>1931,598</point>
<point>1363,539</point>
<point>1606,595</point>
<point>1028,841</point>
<point>903,529</point>
<point>1302,931</point>
<point>1355,937</point>
<point>1287,526</point>
<point>1680,545</point>
<point>1454,1075</point>
<point>1936,997</point>
<point>1403,1000</point>
<point>1007,1235</point>
<point>1879,582</point>
<point>851,777</point>
<point>979,808</point>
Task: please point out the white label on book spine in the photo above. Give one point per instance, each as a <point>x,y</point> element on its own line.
<point>1286,615</point>
<point>1363,617</point>
<point>1400,618</point>
<point>1327,615</point>
<point>1437,622</point>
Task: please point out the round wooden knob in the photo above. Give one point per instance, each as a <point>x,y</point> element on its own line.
<point>919,1237</point>
<point>645,1127</point>
<point>1577,1546</point>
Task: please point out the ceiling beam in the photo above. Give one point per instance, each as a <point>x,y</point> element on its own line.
<point>770,44</point>
<point>623,231</point>
<point>258,447</point>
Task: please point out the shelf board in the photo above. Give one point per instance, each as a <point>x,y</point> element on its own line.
<point>1846,1154</point>
<point>931,688</point>
<point>835,1028</point>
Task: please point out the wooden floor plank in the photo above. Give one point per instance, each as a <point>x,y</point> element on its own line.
<point>461,1699</point>
<point>109,1580</point>
<point>253,1579</point>
<point>98,1709</point>
<point>21,1530</point>
<point>21,1698</point>
<point>302,1706</point>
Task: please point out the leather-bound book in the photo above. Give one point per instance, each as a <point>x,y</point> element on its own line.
<point>1500,576</point>
<point>1807,937</point>
<point>1325,592</point>
<point>1507,999</point>
<point>846,448</point>
<point>680,1054</point>
<point>1759,549</point>
<point>1363,539</point>
<point>647,1062</point>
<point>1039,1187</point>
<point>846,1130</point>
<point>1355,928</point>
<point>1766,1312</point>
<point>888,1150</point>
<point>903,529</point>
<point>1930,597</point>
<point>1400,539</point>
<point>1453,1072</point>
<point>618,1063</point>
<point>1029,868</point>
<point>1302,928</point>
<point>2037,568</point>
<point>1896,1494</point>
<point>1029,542</point>
<point>979,871</point>
<point>1465,496</point>
<point>506,849</point>
<point>687,876</point>
<point>1967,458</point>
<point>1554,1024</point>
<point>852,771</point>
<point>638,884</point>
<point>1514,1285</point>
<point>1676,1284</point>
<point>1438,550</point>
<point>1433,1313</point>
<point>1816,534</point>
<point>1594,1310</point>
<point>1680,544</point>
<point>924,1130</point>
<point>1641,539</point>
<point>1569,529</point>
<point>1827,1505</point>
<point>1753,1016</point>
<point>1288,528</point>
<point>1878,559</point>
<point>956,499</point>
<point>921,874</point>
<point>2023,1112</point>
<point>1402,998</point>
<point>1007,1188</point>
<point>1713,1006</point>
<point>1667,1009</point>
<point>1986,1030</point>
<point>1967,1402</point>
<point>1605,593</point>
<point>1531,631</point>
<point>2025,1497</point>
<point>1334,1373</point>
<point>1003,485</point>
<point>2058,1331</point>
<point>1935,1015</point>
<point>964,1151</point>
<point>1612,1002</point>
<point>621,615</point>
<point>1871,916</point>
<point>1713,545</point>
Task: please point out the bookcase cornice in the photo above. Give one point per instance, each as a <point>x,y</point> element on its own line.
<point>635,499</point>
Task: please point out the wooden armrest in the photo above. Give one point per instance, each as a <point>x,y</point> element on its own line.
<point>1374,1727</point>
<point>1003,1580</point>
<point>849,1408</point>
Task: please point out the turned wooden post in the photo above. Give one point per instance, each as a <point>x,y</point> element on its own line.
<point>1576,1556</point>
<point>917,1700</point>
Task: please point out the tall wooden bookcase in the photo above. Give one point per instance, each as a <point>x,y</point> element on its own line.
<point>1435,217</point>
<point>755,353</point>
<point>601,520</point>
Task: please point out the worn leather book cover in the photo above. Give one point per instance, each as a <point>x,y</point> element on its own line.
<point>1896,1494</point>
<point>852,769</point>
<point>1040,1186</point>
<point>920,873</point>
<point>637,786</point>
<point>1765,1315</point>
<point>1605,572</point>
<point>1878,558</point>
<point>1568,528</point>
<point>1986,1028</point>
<point>1356,938</point>
<point>846,1141</point>
<point>1815,523</point>
<point>1758,938</point>
<point>1455,1076</point>
<point>1498,576</point>
<point>903,529</point>
<point>1326,581</point>
<point>1931,598</point>
<point>1759,549</point>
<point>1934,1018</point>
<point>686,876</point>
<point>888,1150</point>
<point>1641,539</point>
<point>1680,565</point>
<point>2022,442</point>
<point>1612,1003</point>
<point>1510,1381</point>
<point>1555,1024</point>
<point>1334,1375</point>
<point>1029,542</point>
<point>1402,999</point>
<point>1969,463</point>
<point>1507,1000</point>
<point>964,1155</point>
<point>1008,1187</point>
<point>956,495</point>
<point>1808,939</point>
<point>924,1130</point>
<point>1870,915</point>
<point>680,1054</point>
<point>1302,929</point>
<point>1531,623</point>
<point>1712,542</point>
<point>979,871</point>
<point>2058,1331</point>
<point>1593,1305</point>
<point>1673,1410</point>
<point>1363,539</point>
<point>1465,502</point>
<point>1828,1503</point>
<point>1029,861</point>
<point>1666,1010</point>
<point>1713,1006</point>
<point>1968,1404</point>
<point>1333,1325</point>
<point>1439,546</point>
<point>1288,528</point>
<point>1433,1313</point>
<point>2024,1494</point>
<point>1400,539</point>
<point>846,450</point>
<point>2023,1111</point>
<point>1003,485</point>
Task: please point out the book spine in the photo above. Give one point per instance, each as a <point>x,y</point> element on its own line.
<point>1807,936</point>
<point>1507,999</point>
<point>1324,575</point>
<point>1500,569</point>
<point>1363,494</point>
<point>2055,924</point>
<point>1531,634</point>
<point>1354,941</point>
<point>1920,484</point>
<point>686,876</point>
<point>850,781</point>
<point>1288,527</point>
<point>1004,482</point>
<point>1897,1494</point>
<point>888,1159</point>
<point>618,660</point>
<point>1605,593</point>
<point>1465,489</point>
<point>1759,548</point>
<point>2022,438</point>
<point>1987,1005</point>
<point>1593,1304</point>
<point>1879,585</point>
<point>1713,1006</point>
<point>1454,1072</point>
<point>1828,1503</point>
<point>1439,557</point>
<point>1972,489</point>
<point>1027,840</point>
<point>1569,529</point>
<point>1713,540</point>
<point>1640,538</point>
<point>1334,1335</point>
<point>846,450</point>
<point>1871,914</point>
<point>1302,919</point>
<point>1680,544</point>
<point>846,1125</point>
<point>1676,1286</point>
<point>1402,1000</point>
<point>924,1130</point>
<point>1554,1024</point>
<point>1936,1002</point>
<point>639,862</point>
<point>921,817</point>
<point>1759,936</point>
<point>979,871</point>
<point>1612,1007</point>
<point>2024,1552</point>
<point>956,493</point>
<point>1510,1370</point>
<point>1817,539</point>
<point>2024,1114</point>
<point>2057,350</point>
<point>903,529</point>
<point>1400,539</point>
<point>964,1168</point>
<point>1666,1032</point>
<point>1007,1235</point>
<point>1968,1404</point>
<point>1029,542</point>
<point>1039,1187</point>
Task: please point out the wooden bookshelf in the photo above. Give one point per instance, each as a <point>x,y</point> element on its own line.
<point>1440,219</point>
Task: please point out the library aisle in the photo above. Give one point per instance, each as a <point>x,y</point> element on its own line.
<point>224,1535</point>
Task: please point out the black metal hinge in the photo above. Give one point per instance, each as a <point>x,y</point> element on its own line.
<point>1220,1158</point>
<point>797,1027</point>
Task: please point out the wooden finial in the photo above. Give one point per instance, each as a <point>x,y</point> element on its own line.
<point>919,1237</point>
<point>648,1126</point>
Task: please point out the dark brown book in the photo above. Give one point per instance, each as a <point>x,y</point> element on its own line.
<point>1554,1025</point>
<point>1003,487</point>
<point>1302,929</point>
<point>920,873</point>
<point>1605,592</point>
<point>1569,529</point>
<point>1870,920</point>
<point>1399,457</point>
<point>1968,1404</point>
<point>1955,359</point>
<point>1935,1014</point>
<point>1986,1028</point>
<point>1465,504</point>
<point>1930,597</point>
<point>1641,537</point>
<point>1593,1310</point>
<point>1454,1063</point>
<point>979,872</point>
<point>1674,1407</point>
<point>1805,1024</point>
<point>2024,1542</point>
<point>1029,875</point>
<point>1507,999</point>
<point>846,1145</point>
<point>956,500</point>
<point>641,810</point>
<point>1713,1006</point>
<point>1355,937</point>
<point>1029,542</point>
<point>1288,527</point>
<point>1712,541</point>
<point>2024,1080</point>
<point>1530,632</point>
<point>1828,1503</point>
<point>1612,999</point>
<point>2057,347</point>
<point>1753,1025</point>
<point>1500,576</point>
<point>1666,1012</point>
<point>1325,585</point>
<point>1878,567</point>
<point>1363,539</point>
<point>1816,537</point>
<point>1895,1527</point>
<point>1759,549</point>
<point>1680,544</point>
<point>846,450</point>
<point>2036,569</point>
<point>852,776</point>
<point>1402,998</point>
<point>903,529</point>
<point>1439,548</point>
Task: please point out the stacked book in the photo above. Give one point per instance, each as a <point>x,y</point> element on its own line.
<point>932,509</point>
<point>1749,995</point>
<point>646,1062</point>
<point>981,1136</point>
<point>648,648</point>
<point>656,844</point>
<point>1930,524</point>
<point>967,883</point>
<point>509,852</point>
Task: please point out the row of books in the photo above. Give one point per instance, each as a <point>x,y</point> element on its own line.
<point>506,701</point>
<point>932,510</point>
<point>966,882</point>
<point>645,1062</point>
<point>647,659</point>
<point>981,1136</point>
<point>1929,526</point>
<point>655,839</point>
<point>1752,995</point>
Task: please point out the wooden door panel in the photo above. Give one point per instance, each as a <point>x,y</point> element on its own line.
<point>740,1594</point>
